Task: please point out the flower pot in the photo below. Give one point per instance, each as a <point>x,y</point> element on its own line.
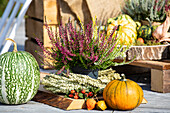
<point>90,72</point>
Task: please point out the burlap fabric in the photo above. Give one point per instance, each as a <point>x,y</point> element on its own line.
<point>88,9</point>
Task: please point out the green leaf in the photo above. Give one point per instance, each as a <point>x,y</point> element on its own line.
<point>80,58</point>
<point>66,96</point>
<point>87,90</point>
<point>92,89</point>
<point>96,90</point>
<point>78,90</point>
<point>86,98</point>
<point>81,95</point>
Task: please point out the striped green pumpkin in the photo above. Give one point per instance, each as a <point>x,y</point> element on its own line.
<point>145,32</point>
<point>19,77</point>
<point>123,94</point>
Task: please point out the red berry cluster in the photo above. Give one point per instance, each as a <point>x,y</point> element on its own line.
<point>82,94</point>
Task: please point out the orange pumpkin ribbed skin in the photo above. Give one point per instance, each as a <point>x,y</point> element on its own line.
<point>123,95</point>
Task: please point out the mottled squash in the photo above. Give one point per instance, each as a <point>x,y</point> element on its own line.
<point>19,76</point>
<point>145,32</point>
<point>126,32</point>
<point>123,94</point>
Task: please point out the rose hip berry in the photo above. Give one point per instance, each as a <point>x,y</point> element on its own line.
<point>76,97</point>
<point>71,95</point>
<point>86,94</point>
<point>83,91</point>
<point>90,94</point>
<point>72,91</point>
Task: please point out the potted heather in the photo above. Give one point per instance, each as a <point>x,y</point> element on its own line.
<point>86,47</point>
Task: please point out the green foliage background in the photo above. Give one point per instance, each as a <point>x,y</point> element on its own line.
<point>3,4</point>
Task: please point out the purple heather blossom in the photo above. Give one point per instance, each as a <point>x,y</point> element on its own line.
<point>96,58</point>
<point>42,47</point>
<point>167,7</point>
<point>58,72</point>
<point>64,60</point>
<point>50,33</point>
<point>69,58</point>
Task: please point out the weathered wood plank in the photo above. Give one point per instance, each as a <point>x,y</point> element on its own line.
<point>31,47</point>
<point>36,29</point>
<point>166,81</point>
<point>157,80</point>
<point>35,9</point>
<point>161,65</point>
<point>45,10</point>
<point>59,101</point>
<point>160,80</point>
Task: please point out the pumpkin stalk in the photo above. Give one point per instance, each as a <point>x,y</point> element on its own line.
<point>123,78</point>
<point>15,44</point>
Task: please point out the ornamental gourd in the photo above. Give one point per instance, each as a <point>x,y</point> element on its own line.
<point>123,94</point>
<point>126,32</point>
<point>145,32</point>
<point>19,76</point>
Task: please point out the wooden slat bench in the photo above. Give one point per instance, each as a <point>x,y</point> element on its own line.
<point>160,73</point>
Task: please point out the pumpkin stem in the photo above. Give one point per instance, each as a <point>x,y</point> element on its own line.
<point>123,78</point>
<point>15,45</point>
<point>150,23</point>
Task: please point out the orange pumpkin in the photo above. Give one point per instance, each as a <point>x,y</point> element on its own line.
<point>123,94</point>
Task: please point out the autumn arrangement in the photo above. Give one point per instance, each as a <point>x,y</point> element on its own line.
<point>88,47</point>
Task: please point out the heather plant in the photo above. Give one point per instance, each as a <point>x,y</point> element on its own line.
<point>87,47</point>
<point>154,10</point>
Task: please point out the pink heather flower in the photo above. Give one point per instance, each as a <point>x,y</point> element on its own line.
<point>58,72</point>
<point>39,43</point>
<point>166,8</point>
<point>87,57</point>
<point>92,53</point>
<point>96,58</point>
<point>156,1</point>
<point>69,58</point>
<point>68,52</point>
<point>166,1</point>
<point>102,43</point>
<point>42,47</point>
<point>64,61</point>
<point>50,33</point>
